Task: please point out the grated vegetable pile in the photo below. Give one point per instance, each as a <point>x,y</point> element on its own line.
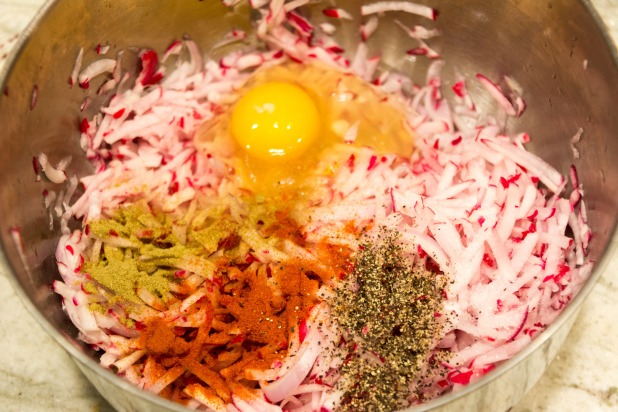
<point>392,280</point>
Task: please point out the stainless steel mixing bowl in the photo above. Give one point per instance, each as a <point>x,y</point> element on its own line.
<point>541,44</point>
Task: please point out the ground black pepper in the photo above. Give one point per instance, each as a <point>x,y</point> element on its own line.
<point>389,309</point>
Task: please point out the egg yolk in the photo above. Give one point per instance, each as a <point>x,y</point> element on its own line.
<point>275,121</point>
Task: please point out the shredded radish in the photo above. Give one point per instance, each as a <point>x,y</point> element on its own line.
<point>337,13</point>
<point>94,69</point>
<point>34,97</point>
<point>77,66</point>
<point>497,94</point>
<point>328,28</point>
<point>574,140</point>
<point>369,28</point>
<point>404,6</point>
<point>470,202</point>
<point>55,174</point>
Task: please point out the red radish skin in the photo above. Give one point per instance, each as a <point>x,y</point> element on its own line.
<point>337,13</point>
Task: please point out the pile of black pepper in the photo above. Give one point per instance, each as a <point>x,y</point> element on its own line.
<point>391,311</point>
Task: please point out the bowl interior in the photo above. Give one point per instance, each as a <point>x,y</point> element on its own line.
<point>554,50</point>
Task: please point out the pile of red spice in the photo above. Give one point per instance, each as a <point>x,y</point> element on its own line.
<point>250,312</point>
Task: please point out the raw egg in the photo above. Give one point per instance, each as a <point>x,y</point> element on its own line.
<point>275,121</point>
<point>283,126</point>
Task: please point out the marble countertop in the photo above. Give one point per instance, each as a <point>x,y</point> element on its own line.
<point>36,374</point>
